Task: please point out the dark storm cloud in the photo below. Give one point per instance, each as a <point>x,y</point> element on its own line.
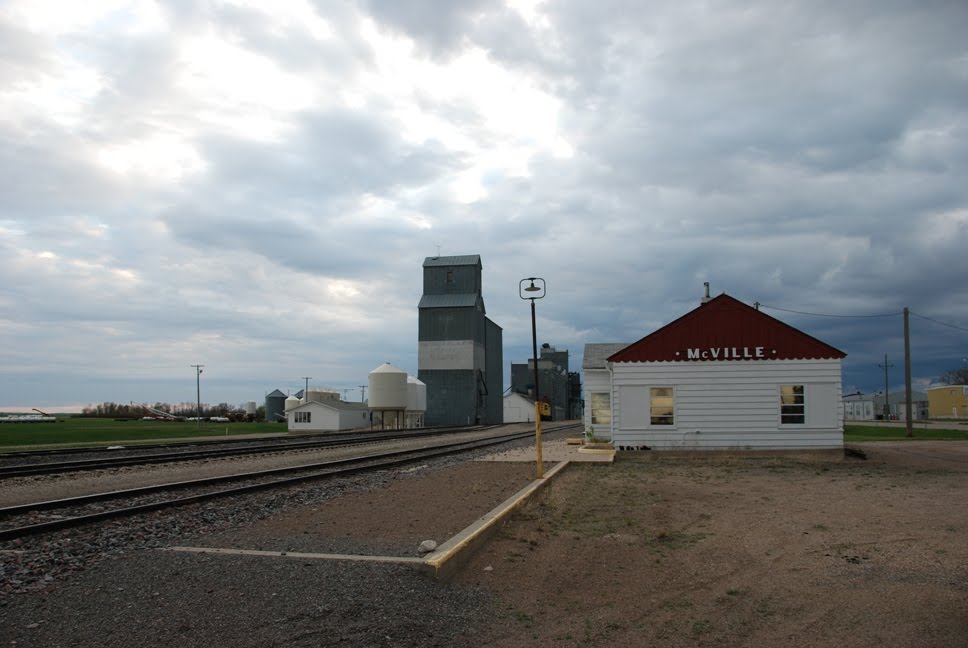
<point>809,156</point>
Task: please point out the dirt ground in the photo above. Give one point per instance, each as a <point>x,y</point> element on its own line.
<point>715,551</point>
<point>739,552</point>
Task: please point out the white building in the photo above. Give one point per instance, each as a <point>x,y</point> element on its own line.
<point>724,376</point>
<point>518,408</point>
<point>327,416</point>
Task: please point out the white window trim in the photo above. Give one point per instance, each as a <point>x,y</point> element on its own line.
<point>779,407</point>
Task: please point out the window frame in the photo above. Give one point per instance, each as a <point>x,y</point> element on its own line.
<point>607,395</point>
<point>794,409</point>
<point>655,420</point>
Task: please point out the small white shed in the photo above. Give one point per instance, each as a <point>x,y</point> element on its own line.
<point>518,408</point>
<point>327,416</point>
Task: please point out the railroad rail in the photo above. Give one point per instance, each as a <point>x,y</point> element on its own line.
<point>52,468</point>
<point>74,514</point>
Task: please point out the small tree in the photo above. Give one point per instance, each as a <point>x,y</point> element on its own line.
<point>954,377</point>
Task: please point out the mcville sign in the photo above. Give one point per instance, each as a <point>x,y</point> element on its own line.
<point>727,353</point>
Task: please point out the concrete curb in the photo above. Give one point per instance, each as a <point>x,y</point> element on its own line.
<point>442,563</point>
<point>454,554</point>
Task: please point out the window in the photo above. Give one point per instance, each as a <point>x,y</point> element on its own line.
<point>792,405</point>
<point>304,417</point>
<point>450,276</point>
<point>601,409</point>
<point>661,406</point>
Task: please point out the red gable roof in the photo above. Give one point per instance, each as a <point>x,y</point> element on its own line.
<point>725,328</point>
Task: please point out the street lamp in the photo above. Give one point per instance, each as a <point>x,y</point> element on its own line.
<point>534,291</point>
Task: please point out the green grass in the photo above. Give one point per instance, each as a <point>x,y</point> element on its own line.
<point>876,433</point>
<point>75,431</point>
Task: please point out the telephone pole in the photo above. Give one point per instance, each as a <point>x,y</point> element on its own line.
<point>198,394</point>
<point>908,423</point>
<point>306,391</point>
<point>887,400</point>
<point>362,393</point>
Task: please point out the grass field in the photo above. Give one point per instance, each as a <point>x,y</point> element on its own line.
<point>921,433</point>
<point>75,431</point>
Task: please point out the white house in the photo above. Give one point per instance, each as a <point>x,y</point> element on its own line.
<point>327,416</point>
<point>518,408</point>
<point>724,376</point>
<point>598,386</point>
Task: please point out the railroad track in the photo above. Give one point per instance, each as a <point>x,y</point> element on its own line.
<point>22,520</point>
<point>100,463</point>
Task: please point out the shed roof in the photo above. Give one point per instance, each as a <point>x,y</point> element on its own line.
<point>467,259</point>
<point>335,405</point>
<point>726,323</point>
<point>597,354</point>
<point>459,300</point>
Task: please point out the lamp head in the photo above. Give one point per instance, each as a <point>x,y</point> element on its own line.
<point>534,290</point>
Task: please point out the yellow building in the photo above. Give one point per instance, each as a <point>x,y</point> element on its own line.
<point>948,401</point>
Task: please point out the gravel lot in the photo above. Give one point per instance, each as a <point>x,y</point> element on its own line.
<point>647,551</point>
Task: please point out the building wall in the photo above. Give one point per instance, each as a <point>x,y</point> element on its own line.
<point>596,382</point>
<point>950,401</point>
<point>727,405</point>
<point>493,373</point>
<point>858,410</point>
<point>327,419</point>
<point>518,409</point>
<point>451,397</point>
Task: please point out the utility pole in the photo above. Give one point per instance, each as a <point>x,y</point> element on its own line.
<point>887,400</point>
<point>306,391</point>
<point>908,423</point>
<point>362,393</point>
<point>198,394</point>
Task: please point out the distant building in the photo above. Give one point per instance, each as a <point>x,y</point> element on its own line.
<point>860,407</point>
<point>460,357</point>
<point>518,408</point>
<point>558,386</point>
<point>331,415</point>
<point>948,401</point>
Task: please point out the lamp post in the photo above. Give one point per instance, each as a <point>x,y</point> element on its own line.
<point>535,291</point>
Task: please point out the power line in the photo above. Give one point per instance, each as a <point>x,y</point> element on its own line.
<point>787,310</point>
<point>930,319</point>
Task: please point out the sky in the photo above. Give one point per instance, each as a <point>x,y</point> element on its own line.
<point>254,186</point>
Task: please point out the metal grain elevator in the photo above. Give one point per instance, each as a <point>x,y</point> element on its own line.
<point>460,356</point>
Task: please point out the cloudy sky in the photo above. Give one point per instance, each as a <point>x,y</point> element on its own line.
<point>254,185</point>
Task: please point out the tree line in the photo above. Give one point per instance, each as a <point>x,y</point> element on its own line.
<point>136,410</point>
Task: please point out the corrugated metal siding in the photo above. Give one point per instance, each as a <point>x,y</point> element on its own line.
<point>725,322</point>
<point>449,301</point>
<point>733,405</point>
<point>450,324</point>
<point>451,396</point>
<point>450,279</point>
<point>494,373</point>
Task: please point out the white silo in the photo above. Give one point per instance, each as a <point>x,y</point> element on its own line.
<point>292,402</point>
<point>388,394</point>
<point>250,408</point>
<point>416,402</point>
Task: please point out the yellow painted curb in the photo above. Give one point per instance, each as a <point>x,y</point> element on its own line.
<point>441,563</point>
<point>454,553</point>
